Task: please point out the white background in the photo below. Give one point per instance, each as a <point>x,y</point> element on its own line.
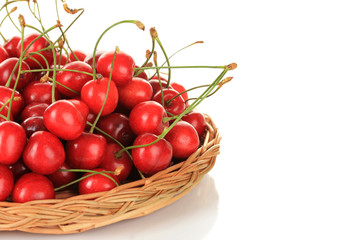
<point>289,163</point>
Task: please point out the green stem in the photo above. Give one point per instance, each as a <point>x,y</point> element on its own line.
<point>162,67</point>
<point>48,69</point>
<point>147,59</point>
<point>187,90</point>
<point>63,32</point>
<point>7,11</point>
<point>167,60</point>
<point>64,86</point>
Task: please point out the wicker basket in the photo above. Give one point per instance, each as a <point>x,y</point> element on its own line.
<point>73,214</point>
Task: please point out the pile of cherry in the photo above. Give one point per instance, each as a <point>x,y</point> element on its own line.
<point>46,145</point>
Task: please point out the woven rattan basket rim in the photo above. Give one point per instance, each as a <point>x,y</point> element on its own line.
<point>72,214</point>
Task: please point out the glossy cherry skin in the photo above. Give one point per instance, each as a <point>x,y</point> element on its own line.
<point>44,153</point>
<point>64,120</point>
<point>60,178</point>
<point>183,139</point>
<point>11,46</point>
<point>40,92</point>
<point>93,94</point>
<point>197,120</point>
<point>175,106</point>
<point>81,106</point>
<point>97,183</point>
<point>6,182</point>
<point>142,75</point>
<point>63,60</point>
<point>73,80</point>
<point>147,117</point>
<point>17,105</point>
<point>12,142</point>
<point>32,186</point>
<point>154,158</point>
<point>180,88</point>
<point>122,72</point>
<point>79,54</point>
<point>33,110</point>
<point>19,169</point>
<point>39,44</point>
<point>4,112</point>
<point>111,162</point>
<point>156,85</point>
<point>117,125</point>
<point>6,68</point>
<point>136,91</point>
<point>3,54</point>
<point>33,124</point>
<point>86,151</point>
<point>89,58</point>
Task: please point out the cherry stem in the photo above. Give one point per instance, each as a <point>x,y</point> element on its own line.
<point>162,67</point>
<point>138,24</point>
<point>107,91</point>
<point>187,90</point>
<point>159,80</point>
<point>167,60</point>
<point>48,69</point>
<point>147,59</point>
<point>7,11</point>
<point>103,173</point>
<point>64,86</point>
<point>34,13</point>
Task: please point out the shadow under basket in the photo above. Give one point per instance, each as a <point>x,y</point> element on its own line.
<point>78,213</point>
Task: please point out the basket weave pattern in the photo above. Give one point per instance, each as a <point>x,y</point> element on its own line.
<point>78,213</point>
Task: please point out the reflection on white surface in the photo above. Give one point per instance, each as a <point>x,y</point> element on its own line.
<point>196,213</point>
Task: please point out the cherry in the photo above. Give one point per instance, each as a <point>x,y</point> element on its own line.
<point>3,54</point>
<point>11,46</point>
<point>147,117</point>
<point>122,72</point>
<point>153,158</point>
<point>93,94</point>
<point>157,78</point>
<point>156,85</point>
<point>32,186</point>
<point>6,68</point>
<point>39,44</point>
<point>117,125</point>
<point>44,153</point>
<point>34,109</point>
<point>60,178</point>
<point>142,75</point>
<point>17,105</point>
<point>79,54</point>
<point>91,119</point>
<point>136,91</point>
<point>183,139</point>
<point>73,80</point>
<point>4,112</point>
<point>180,88</point>
<point>40,92</point>
<point>89,58</point>
<point>197,120</point>
<point>111,162</point>
<point>97,183</point>
<point>33,124</point>
<point>81,106</point>
<point>63,59</point>
<point>18,169</point>
<point>174,106</point>
<point>6,182</point>
<point>64,120</point>
<point>12,142</point>
<point>86,151</point>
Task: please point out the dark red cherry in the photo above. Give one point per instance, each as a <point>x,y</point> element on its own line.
<point>12,142</point>
<point>122,72</point>
<point>11,46</point>
<point>154,158</point>
<point>97,183</point>
<point>174,106</point>
<point>60,178</point>
<point>33,124</point>
<point>79,54</point>
<point>17,104</point>
<point>6,182</point>
<point>33,110</point>
<point>19,169</point>
<point>44,153</point>
<point>89,58</point>
<point>86,151</point>
<point>156,85</point>
<point>6,68</point>
<point>40,92</point>
<point>32,186</point>
<point>3,54</point>
<point>136,91</point>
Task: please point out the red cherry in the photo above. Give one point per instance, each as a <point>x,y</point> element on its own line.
<point>111,162</point>
<point>180,88</point>
<point>117,125</point>
<point>81,106</point>
<point>147,117</point>
<point>123,67</point>
<point>33,110</point>
<point>4,112</point>
<point>62,60</point>
<point>11,46</point>
<point>183,139</point>
<point>197,120</point>
<point>6,68</point>
<point>73,80</point>
<point>97,183</point>
<point>12,142</point>
<point>161,78</point>
<point>6,182</point>
<point>17,105</point>
<point>142,75</point>
<point>18,169</point>
<point>91,119</point>
<point>136,91</point>
<point>40,92</point>
<point>32,186</point>
<point>60,178</point>
<point>154,158</point>
<point>156,85</point>
<point>89,58</point>
<point>86,151</point>
<point>39,44</point>
<point>3,54</point>
<point>93,94</point>
<point>33,124</point>
<point>79,54</point>
<point>64,120</point>
<point>175,106</point>
<point>44,153</point>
